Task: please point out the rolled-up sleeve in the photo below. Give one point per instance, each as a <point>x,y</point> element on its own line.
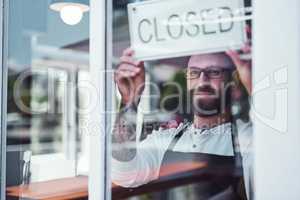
<point>146,164</point>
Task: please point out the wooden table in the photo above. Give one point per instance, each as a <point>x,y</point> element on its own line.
<point>77,187</point>
<point>61,189</point>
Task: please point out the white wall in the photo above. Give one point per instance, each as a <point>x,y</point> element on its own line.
<point>276,107</point>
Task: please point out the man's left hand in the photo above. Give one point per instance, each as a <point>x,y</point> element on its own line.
<point>243,66</point>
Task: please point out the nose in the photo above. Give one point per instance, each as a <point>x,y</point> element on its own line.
<point>203,78</point>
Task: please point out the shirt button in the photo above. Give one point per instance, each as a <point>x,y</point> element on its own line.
<point>194,146</point>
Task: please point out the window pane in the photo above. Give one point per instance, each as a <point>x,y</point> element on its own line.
<point>48,58</point>
<point>177,135</point>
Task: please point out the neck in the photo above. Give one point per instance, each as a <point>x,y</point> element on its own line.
<point>211,121</point>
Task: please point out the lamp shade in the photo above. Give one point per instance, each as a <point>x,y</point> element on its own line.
<point>57,5</point>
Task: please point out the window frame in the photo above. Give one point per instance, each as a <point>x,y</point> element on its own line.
<point>50,157</point>
<point>97,126</point>
<point>3,90</point>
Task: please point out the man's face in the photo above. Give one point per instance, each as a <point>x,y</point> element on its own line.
<point>208,76</point>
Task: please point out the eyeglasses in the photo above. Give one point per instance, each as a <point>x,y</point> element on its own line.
<point>211,72</point>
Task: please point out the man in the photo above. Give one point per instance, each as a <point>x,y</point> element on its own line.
<point>209,138</point>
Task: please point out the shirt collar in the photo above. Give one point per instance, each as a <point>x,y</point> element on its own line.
<point>222,128</point>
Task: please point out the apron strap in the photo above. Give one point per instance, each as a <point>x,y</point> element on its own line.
<point>178,136</point>
<point>240,187</point>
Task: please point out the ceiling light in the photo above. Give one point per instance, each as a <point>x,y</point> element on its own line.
<point>71,11</point>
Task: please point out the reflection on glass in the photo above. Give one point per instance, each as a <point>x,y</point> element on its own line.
<point>47,60</point>
<point>181,125</point>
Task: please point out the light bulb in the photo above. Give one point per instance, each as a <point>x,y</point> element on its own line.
<point>71,14</point>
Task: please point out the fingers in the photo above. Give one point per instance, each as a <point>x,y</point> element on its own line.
<point>128,52</point>
<point>128,67</point>
<point>127,71</point>
<point>238,57</point>
<point>247,48</point>
<point>124,74</point>
<point>235,56</point>
<point>129,60</point>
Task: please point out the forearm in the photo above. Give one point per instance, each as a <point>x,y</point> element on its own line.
<point>124,135</point>
<point>246,79</point>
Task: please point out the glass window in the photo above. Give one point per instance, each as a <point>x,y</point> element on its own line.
<point>48,58</point>
<point>181,127</point>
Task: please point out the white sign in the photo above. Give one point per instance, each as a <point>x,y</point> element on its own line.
<point>172,28</point>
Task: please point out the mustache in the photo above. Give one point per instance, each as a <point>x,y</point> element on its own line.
<point>204,88</point>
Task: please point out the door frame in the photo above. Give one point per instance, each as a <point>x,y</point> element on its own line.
<point>3,91</point>
<point>99,181</point>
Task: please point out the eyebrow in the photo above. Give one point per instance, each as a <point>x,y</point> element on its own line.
<point>192,67</point>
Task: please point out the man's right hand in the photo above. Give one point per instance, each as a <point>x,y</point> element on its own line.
<point>130,78</point>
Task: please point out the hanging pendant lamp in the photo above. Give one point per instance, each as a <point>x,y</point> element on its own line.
<point>71,11</point>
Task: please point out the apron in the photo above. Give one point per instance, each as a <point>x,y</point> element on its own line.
<point>220,179</point>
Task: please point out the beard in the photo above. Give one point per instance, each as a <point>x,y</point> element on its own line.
<point>213,103</point>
